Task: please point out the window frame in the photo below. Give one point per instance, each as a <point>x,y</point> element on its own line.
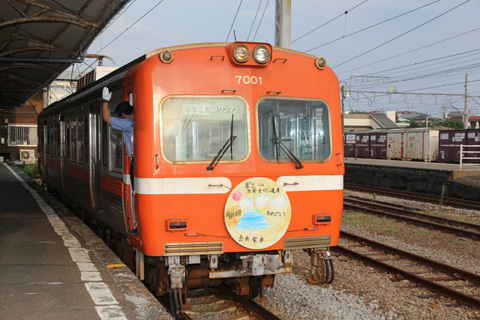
<point>225,158</point>
<point>286,160</point>
<point>22,125</point>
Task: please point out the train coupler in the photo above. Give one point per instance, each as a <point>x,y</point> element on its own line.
<point>321,267</point>
<point>177,276</point>
<point>176,271</point>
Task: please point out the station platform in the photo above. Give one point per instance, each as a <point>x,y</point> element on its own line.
<point>52,266</point>
<point>416,176</point>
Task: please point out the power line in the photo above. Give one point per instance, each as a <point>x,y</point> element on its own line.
<point>235,18</point>
<point>372,26</point>
<point>128,28</point>
<point>426,61</point>
<point>401,35</point>
<point>407,52</point>
<point>261,19</point>
<point>254,19</point>
<point>340,15</point>
<point>443,85</point>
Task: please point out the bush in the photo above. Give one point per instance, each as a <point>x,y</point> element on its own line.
<point>31,170</point>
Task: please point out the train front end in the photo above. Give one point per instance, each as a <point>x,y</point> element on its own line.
<point>238,162</point>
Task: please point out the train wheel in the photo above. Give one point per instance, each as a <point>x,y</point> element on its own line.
<point>256,287</point>
<point>321,269</point>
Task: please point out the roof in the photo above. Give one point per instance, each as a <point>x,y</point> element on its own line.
<point>40,39</point>
<point>383,120</point>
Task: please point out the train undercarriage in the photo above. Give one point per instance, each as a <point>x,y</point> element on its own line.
<point>246,274</point>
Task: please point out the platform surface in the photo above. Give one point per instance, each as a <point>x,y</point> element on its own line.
<point>53,267</point>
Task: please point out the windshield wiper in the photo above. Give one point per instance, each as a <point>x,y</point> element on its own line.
<point>222,151</point>
<point>280,146</point>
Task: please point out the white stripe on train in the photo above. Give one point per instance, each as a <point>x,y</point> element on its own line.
<point>221,185</point>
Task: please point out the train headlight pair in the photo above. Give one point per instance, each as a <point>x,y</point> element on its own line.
<point>241,53</point>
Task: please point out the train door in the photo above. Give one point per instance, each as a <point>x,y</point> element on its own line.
<point>45,151</point>
<point>63,153</point>
<point>129,198</point>
<point>94,152</point>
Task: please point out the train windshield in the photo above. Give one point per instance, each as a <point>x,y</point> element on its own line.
<point>300,126</point>
<point>196,128</point>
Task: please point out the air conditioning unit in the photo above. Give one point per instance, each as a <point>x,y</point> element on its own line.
<point>28,156</point>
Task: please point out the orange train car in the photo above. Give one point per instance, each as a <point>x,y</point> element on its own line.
<point>238,161</point>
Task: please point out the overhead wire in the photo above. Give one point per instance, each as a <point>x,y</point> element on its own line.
<point>233,22</point>
<point>426,61</point>
<point>331,20</point>
<point>126,29</point>
<point>373,26</point>
<point>414,50</point>
<point>401,35</point>
<point>254,19</point>
<point>261,19</point>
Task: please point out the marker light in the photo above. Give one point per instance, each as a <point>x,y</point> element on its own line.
<point>261,54</point>
<point>321,63</point>
<point>166,56</point>
<point>241,53</point>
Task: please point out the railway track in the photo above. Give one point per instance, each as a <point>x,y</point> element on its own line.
<point>221,304</point>
<point>465,204</point>
<point>462,228</point>
<point>460,285</point>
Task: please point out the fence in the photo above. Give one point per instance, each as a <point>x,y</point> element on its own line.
<point>466,153</point>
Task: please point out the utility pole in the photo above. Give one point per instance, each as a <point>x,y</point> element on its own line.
<point>466,123</point>
<point>283,14</point>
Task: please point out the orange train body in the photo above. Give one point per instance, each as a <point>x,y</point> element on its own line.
<point>259,197</point>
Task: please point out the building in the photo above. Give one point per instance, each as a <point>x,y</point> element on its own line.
<point>368,121</point>
<point>18,131</point>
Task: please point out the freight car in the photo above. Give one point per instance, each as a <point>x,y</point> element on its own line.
<point>414,144</point>
<point>238,161</point>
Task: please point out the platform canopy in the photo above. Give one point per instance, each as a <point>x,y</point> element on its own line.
<point>40,39</point>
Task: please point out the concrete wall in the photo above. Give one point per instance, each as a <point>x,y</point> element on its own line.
<point>413,180</point>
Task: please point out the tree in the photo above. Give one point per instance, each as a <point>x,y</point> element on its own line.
<point>453,123</point>
<point>416,124</point>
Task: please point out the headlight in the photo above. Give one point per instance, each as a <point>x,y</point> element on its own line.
<point>166,56</point>
<point>321,63</point>
<point>241,53</point>
<point>261,54</point>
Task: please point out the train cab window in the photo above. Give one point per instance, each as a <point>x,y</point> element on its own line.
<point>196,128</point>
<point>299,125</point>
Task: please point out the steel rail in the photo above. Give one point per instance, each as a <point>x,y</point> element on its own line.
<point>412,217</point>
<point>254,308</point>
<point>230,300</point>
<point>466,204</point>
<point>401,273</point>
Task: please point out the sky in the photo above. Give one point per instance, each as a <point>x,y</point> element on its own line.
<point>411,47</point>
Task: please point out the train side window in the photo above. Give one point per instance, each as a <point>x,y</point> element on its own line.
<point>67,140</point>
<point>196,128</point>
<point>81,140</point>
<point>301,125</point>
<point>74,139</point>
<point>105,140</point>
<point>116,152</point>
<point>57,138</point>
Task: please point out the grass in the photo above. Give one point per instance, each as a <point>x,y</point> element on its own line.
<point>375,224</point>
